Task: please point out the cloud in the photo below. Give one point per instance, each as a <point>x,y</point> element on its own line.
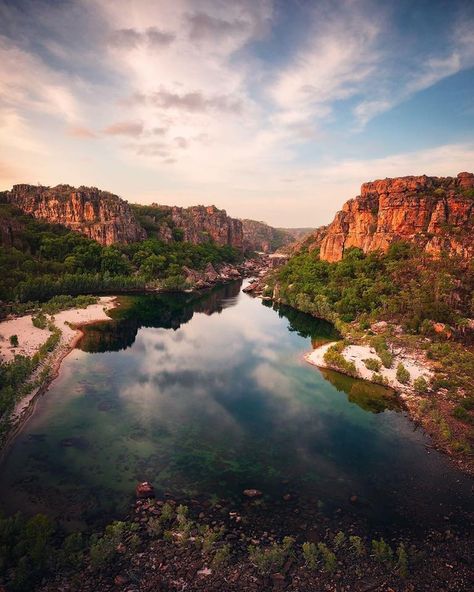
<point>181,142</point>
<point>124,128</point>
<point>79,131</point>
<point>333,64</point>
<point>194,101</point>
<point>131,38</point>
<point>204,26</point>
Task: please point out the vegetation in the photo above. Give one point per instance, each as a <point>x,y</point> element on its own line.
<point>405,284</point>
<point>373,364</point>
<point>335,359</point>
<point>15,378</point>
<point>47,260</point>
<point>403,376</point>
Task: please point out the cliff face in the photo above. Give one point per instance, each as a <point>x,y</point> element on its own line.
<point>434,212</point>
<point>99,215</point>
<point>201,223</point>
<point>196,224</point>
<point>259,236</point>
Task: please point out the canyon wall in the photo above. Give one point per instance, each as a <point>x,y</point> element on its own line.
<point>99,215</point>
<point>433,212</point>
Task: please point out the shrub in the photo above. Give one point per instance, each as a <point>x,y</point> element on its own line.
<point>387,358</point>
<point>420,384</point>
<point>310,554</point>
<point>339,539</point>
<point>459,412</point>
<point>14,340</point>
<point>382,551</point>
<point>403,376</point>
<point>270,559</point>
<point>40,321</point>
<point>222,556</point>
<point>373,364</point>
<point>329,558</point>
<point>379,379</point>
<point>402,561</point>
<point>357,545</point>
<point>335,359</point>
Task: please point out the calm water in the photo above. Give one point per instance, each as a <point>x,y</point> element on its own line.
<point>208,396</point>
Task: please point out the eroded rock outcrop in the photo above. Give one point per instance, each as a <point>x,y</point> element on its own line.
<point>196,224</point>
<point>97,214</point>
<point>259,236</point>
<point>201,223</point>
<point>434,212</point>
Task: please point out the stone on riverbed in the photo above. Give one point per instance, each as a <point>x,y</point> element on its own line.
<point>252,493</point>
<point>144,490</point>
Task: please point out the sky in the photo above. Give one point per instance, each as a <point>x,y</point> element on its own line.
<point>275,110</point>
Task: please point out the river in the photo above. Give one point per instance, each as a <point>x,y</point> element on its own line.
<point>206,396</point>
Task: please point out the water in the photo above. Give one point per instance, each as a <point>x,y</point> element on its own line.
<point>207,396</point>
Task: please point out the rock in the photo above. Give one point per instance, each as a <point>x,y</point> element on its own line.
<point>97,214</point>
<point>121,580</point>
<point>415,209</point>
<point>287,497</point>
<point>144,490</point>
<point>252,493</point>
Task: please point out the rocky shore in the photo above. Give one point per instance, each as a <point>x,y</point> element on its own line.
<point>166,545</point>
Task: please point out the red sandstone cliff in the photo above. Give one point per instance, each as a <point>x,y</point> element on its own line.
<point>99,215</point>
<point>435,212</point>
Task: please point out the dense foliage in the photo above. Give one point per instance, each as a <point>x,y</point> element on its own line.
<point>405,284</point>
<point>44,260</point>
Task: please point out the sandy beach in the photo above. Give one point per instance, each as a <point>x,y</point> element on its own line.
<point>358,353</point>
<point>31,338</point>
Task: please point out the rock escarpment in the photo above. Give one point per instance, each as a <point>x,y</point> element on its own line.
<point>434,212</point>
<point>200,224</point>
<point>97,214</point>
<point>196,224</point>
<point>259,236</point>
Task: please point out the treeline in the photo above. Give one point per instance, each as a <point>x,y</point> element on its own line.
<point>41,260</point>
<point>406,285</point>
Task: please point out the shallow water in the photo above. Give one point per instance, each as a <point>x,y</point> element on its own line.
<point>207,396</point>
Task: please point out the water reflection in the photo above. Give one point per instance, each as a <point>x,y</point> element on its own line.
<point>211,396</point>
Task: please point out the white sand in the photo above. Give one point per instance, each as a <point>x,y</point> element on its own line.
<point>30,338</point>
<point>358,353</point>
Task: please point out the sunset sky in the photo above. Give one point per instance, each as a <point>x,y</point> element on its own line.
<point>276,111</point>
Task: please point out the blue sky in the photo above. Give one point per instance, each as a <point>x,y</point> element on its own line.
<point>274,110</point>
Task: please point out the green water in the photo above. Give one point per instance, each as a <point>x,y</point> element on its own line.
<point>207,396</point>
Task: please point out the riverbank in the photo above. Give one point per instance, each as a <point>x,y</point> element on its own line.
<point>166,545</point>
<point>30,339</point>
<point>430,408</point>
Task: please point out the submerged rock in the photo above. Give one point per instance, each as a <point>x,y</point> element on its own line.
<point>252,493</point>
<point>144,490</point>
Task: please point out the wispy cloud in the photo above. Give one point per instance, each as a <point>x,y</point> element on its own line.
<point>124,128</point>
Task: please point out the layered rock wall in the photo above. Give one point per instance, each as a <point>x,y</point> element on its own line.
<point>99,215</point>
<point>433,212</point>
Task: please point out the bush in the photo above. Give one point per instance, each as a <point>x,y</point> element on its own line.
<point>379,379</point>
<point>357,545</point>
<point>329,558</point>
<point>310,554</point>
<point>14,340</point>
<point>402,561</point>
<point>336,360</point>
<point>420,385</point>
<point>373,364</point>
<point>339,539</point>
<point>387,358</point>
<point>271,559</point>
<point>382,551</point>
<point>40,321</point>
<point>403,376</point>
<point>221,556</point>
